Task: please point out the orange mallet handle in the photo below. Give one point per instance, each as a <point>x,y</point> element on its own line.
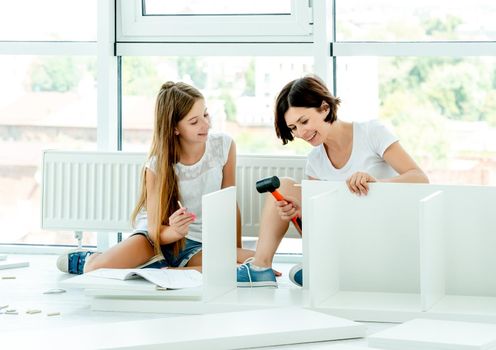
<point>296,221</point>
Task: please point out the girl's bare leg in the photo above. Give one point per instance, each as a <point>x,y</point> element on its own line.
<point>130,253</point>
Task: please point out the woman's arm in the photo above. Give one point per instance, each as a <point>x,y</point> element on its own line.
<point>400,161</point>
<point>396,156</point>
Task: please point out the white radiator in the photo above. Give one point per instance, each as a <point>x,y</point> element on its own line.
<point>97,191</point>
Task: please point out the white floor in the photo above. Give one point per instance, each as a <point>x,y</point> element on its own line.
<point>26,292</point>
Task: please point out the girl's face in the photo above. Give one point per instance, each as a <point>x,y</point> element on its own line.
<point>194,126</point>
<point>308,123</point>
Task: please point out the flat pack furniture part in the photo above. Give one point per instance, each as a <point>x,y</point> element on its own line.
<point>233,330</point>
<point>219,292</point>
<point>219,274</point>
<point>13,263</point>
<point>427,334</point>
<point>403,251</point>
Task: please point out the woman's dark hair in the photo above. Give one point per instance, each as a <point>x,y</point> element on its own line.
<point>307,92</point>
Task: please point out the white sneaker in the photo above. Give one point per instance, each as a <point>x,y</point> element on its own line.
<point>296,275</point>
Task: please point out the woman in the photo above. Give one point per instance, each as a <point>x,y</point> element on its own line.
<point>358,153</point>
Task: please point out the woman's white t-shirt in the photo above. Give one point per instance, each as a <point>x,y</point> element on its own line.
<point>205,176</point>
<point>370,140</point>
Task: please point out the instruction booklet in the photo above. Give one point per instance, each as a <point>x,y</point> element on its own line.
<point>165,278</point>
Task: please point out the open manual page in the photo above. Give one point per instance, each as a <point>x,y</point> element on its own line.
<point>165,278</point>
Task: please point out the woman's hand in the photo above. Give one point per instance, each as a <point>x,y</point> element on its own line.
<point>179,222</point>
<point>358,183</point>
<point>288,208</point>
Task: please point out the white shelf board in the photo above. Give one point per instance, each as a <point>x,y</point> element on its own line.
<point>373,306</point>
<point>395,307</point>
<point>468,308</point>
<point>10,263</point>
<point>170,294</point>
<point>425,334</point>
<point>237,300</point>
<point>215,331</point>
<point>374,300</point>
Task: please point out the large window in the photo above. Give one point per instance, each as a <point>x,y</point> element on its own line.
<point>48,88</point>
<point>424,68</point>
<point>421,20</point>
<point>240,94</point>
<point>48,20</point>
<point>442,108</point>
<point>222,7</point>
<point>428,70</point>
<point>214,21</point>
<point>48,102</point>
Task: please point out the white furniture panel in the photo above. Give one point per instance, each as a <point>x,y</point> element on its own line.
<point>219,292</point>
<point>214,331</point>
<point>404,251</point>
<point>432,257</point>
<point>219,243</point>
<point>323,267</point>
<point>423,334</point>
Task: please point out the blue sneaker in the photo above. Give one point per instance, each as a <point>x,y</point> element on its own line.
<point>248,277</point>
<point>73,262</point>
<point>296,275</point>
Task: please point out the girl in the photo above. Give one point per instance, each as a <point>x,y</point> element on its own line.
<point>185,162</point>
<point>358,153</point>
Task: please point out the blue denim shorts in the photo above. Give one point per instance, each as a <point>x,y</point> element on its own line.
<point>190,249</point>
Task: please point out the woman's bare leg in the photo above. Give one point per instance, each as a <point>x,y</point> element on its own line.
<point>130,253</point>
<point>243,254</point>
<point>272,227</point>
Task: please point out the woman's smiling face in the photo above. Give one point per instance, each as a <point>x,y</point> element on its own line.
<point>308,123</point>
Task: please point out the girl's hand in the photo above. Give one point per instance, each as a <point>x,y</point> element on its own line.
<point>180,220</point>
<point>358,183</point>
<point>288,208</point>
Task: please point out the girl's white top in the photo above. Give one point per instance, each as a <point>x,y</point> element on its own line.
<point>205,176</point>
<point>370,140</point>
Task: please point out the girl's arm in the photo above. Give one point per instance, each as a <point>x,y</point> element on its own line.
<point>229,179</point>
<point>168,234</point>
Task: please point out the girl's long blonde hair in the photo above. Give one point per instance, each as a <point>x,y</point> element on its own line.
<point>174,101</point>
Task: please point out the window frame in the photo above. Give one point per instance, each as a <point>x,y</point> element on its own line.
<point>414,49</point>
<point>133,26</point>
